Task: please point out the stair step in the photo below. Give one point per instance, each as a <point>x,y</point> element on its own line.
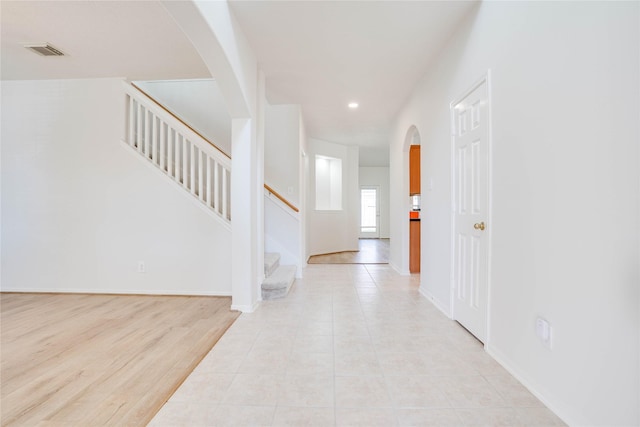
<point>277,285</point>
<point>271,263</point>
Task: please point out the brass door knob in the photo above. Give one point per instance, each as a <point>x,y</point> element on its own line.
<point>479,225</point>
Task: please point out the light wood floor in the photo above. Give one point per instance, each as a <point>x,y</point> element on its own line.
<point>372,251</point>
<point>93,360</point>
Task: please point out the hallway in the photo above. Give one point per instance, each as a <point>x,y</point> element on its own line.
<point>351,345</point>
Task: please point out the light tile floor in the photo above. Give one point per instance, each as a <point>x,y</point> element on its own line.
<point>351,345</point>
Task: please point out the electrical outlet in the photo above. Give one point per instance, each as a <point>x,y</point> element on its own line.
<point>141,267</point>
<point>544,331</point>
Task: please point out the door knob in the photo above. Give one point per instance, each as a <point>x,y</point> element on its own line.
<point>479,225</point>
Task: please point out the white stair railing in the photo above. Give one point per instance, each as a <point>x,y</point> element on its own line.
<point>178,151</point>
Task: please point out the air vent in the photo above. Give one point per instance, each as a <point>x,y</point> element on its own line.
<point>44,49</point>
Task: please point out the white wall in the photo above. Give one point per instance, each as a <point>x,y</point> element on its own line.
<point>379,176</point>
<point>284,132</point>
<point>199,103</point>
<point>282,151</point>
<point>333,231</point>
<point>304,179</point>
<point>282,232</point>
<point>79,209</point>
<point>565,106</point>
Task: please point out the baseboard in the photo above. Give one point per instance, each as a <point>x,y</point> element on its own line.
<point>245,308</point>
<point>506,363</point>
<point>399,270</point>
<point>437,304</point>
<point>118,292</point>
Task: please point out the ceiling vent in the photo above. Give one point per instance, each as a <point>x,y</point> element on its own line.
<point>44,49</point>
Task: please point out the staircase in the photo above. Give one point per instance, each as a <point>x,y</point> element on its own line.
<point>278,278</point>
<point>198,166</point>
<point>181,153</point>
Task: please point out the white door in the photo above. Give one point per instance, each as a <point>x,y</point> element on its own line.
<point>369,212</point>
<point>470,116</point>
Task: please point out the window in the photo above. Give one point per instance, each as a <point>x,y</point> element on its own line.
<point>328,183</point>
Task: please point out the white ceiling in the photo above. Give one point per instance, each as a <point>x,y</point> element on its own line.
<point>324,54</point>
<point>318,54</point>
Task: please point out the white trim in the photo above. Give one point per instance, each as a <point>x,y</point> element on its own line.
<point>560,410</point>
<point>245,308</point>
<point>437,304</point>
<point>489,203</point>
<point>485,78</point>
<point>452,191</point>
<point>185,193</point>
<point>153,292</point>
<point>399,270</point>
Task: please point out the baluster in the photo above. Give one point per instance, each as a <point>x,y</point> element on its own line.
<point>132,121</point>
<point>154,138</point>
<point>185,171</point>
<point>147,134</point>
<point>207,162</point>
<point>163,141</point>
<point>145,130</point>
<point>200,175</point>
<point>179,156</point>
<point>156,151</point>
<point>193,164</point>
<point>225,195</point>
<point>139,129</point>
<point>176,155</point>
<point>170,151</point>
<point>216,188</point>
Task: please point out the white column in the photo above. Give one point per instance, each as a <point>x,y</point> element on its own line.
<point>352,188</point>
<point>260,135</point>
<point>243,216</point>
<point>302,180</point>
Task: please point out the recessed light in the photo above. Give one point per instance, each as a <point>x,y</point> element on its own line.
<point>353,105</point>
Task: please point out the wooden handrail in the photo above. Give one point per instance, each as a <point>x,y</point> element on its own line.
<point>282,199</point>
<point>269,189</point>
<point>155,101</point>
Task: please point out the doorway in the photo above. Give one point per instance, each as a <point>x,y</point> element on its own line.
<point>369,212</point>
<point>470,207</point>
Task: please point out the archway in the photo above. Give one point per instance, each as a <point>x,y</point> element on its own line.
<point>410,235</point>
<point>242,85</point>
